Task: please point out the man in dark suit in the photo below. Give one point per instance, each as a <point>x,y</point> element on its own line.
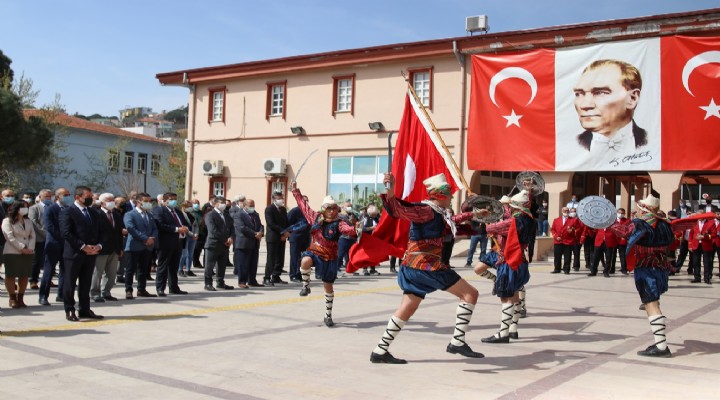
<point>142,233</point>
<point>219,238</point>
<point>106,263</point>
<point>80,228</point>
<point>172,228</point>
<point>54,244</point>
<point>606,96</point>
<point>36,217</point>
<point>277,223</point>
<point>248,233</point>
<point>299,241</point>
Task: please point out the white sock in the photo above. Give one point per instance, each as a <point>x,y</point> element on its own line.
<point>657,326</point>
<point>506,316</point>
<point>329,298</point>
<point>394,326</point>
<point>522,298</point>
<point>305,275</point>
<point>515,318</point>
<point>462,321</point>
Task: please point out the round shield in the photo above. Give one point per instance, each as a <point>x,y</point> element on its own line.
<point>537,183</point>
<point>486,203</point>
<point>596,212</point>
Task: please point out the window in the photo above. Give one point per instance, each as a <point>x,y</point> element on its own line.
<point>142,163</point>
<point>276,99</point>
<point>358,179</point>
<point>421,79</point>
<point>114,161</point>
<point>219,188</point>
<point>216,110</point>
<point>343,94</point>
<point>155,165</point>
<point>128,162</point>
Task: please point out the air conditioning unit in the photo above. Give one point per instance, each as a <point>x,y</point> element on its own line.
<point>274,166</point>
<point>476,23</point>
<point>212,167</point>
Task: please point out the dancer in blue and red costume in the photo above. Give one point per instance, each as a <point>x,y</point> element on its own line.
<point>325,231</point>
<point>422,270</point>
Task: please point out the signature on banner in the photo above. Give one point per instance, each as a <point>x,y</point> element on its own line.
<point>637,158</point>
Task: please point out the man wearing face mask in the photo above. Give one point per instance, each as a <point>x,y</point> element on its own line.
<point>248,233</point>
<point>106,263</point>
<point>80,228</point>
<point>221,234</point>
<point>579,230</point>
<point>35,214</point>
<point>682,209</point>
<point>54,244</point>
<point>173,228</point>
<point>541,216</point>
<point>277,223</point>
<point>142,233</point>
<point>701,246</point>
<point>622,242</point>
<point>199,214</point>
<point>563,232</point>
<point>708,203</point>
<point>299,241</point>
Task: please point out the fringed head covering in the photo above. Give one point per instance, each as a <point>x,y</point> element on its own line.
<point>437,187</point>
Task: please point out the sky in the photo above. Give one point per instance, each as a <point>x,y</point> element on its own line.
<point>102,56</point>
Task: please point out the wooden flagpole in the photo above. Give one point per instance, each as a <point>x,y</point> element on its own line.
<point>437,134</point>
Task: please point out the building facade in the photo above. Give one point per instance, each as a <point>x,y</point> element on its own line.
<point>253,124</point>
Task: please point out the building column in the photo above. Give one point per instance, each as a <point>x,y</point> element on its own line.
<point>667,184</point>
<point>557,185</point>
<point>625,194</point>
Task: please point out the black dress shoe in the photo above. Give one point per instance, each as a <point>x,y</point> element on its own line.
<point>98,299</point>
<point>523,312</point>
<point>70,316</point>
<point>653,351</point>
<point>605,274</point>
<point>90,315</point>
<point>120,279</point>
<point>592,274</point>
<point>268,282</point>
<point>496,339</point>
<point>60,299</point>
<point>224,286</point>
<point>707,281</point>
<point>514,335</point>
<point>183,274</point>
<point>296,280</point>
<point>150,278</point>
<point>328,322</point>
<point>209,288</point>
<point>464,350</point>
<point>566,272</point>
<point>161,293</point>
<point>278,280</point>
<point>110,298</point>
<point>697,280</point>
<point>190,273</point>
<point>555,272</point>
<point>144,293</point>
<point>43,301</point>
<point>386,358</point>
<point>178,292</point>
<point>255,285</point>
<point>304,291</point>
<point>128,296</point>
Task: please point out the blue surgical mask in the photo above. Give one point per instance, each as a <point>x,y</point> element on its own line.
<point>147,206</point>
<point>8,199</point>
<point>47,202</point>
<point>172,203</point>
<point>196,206</point>
<point>67,201</point>
<point>250,209</point>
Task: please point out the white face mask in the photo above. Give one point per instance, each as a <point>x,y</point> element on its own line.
<point>620,216</point>
<point>146,205</point>
<point>280,202</point>
<point>572,215</point>
<point>250,209</point>
<point>110,205</point>
<point>23,211</point>
<point>565,215</point>
<point>221,206</point>
<point>348,209</point>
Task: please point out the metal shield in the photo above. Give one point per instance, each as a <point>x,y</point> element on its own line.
<point>488,203</point>
<point>537,183</point>
<point>596,212</point>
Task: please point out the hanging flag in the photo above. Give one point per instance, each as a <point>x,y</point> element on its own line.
<point>418,156</point>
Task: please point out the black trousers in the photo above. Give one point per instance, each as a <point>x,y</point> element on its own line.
<point>196,253</point>
<point>217,255</point>
<point>598,257</point>
<point>38,261</point>
<point>563,251</point>
<point>576,256</point>
<point>447,251</point>
<point>296,248</point>
<point>78,269</point>
<point>707,262</point>
<point>53,256</point>
<point>139,266</point>
<point>621,255</point>
<point>589,250</point>
<point>246,262</point>
<point>275,259</point>
<point>610,253</point>
<point>682,254</point>
<point>167,270</point>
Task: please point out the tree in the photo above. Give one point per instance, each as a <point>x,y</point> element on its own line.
<point>99,177</point>
<point>5,70</point>
<point>174,169</point>
<point>178,116</point>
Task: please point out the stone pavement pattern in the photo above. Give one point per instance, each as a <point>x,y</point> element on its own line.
<point>578,342</point>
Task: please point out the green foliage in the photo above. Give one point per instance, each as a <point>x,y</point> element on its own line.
<point>177,116</point>
<point>5,70</point>
<point>25,142</point>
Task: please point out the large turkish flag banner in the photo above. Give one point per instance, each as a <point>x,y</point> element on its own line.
<point>511,123</point>
<point>690,103</point>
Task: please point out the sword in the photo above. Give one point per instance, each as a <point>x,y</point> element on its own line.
<point>297,175</point>
<point>390,135</point>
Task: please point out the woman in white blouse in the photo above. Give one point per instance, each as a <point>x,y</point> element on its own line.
<point>18,251</point>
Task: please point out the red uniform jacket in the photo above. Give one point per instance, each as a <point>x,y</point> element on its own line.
<point>600,237</point>
<point>611,240</point>
<point>565,234</point>
<point>716,236</point>
<point>623,221</point>
<point>708,233</point>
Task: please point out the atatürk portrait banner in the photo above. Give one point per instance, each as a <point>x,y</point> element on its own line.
<point>639,105</point>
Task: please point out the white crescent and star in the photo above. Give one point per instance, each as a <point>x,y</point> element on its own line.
<point>713,56</point>
<point>513,72</point>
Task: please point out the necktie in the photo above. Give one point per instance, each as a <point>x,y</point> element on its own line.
<point>177,220</point>
<point>145,217</point>
<point>86,214</point>
<point>110,218</point>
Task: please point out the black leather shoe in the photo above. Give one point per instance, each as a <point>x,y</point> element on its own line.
<point>268,282</point>
<point>523,312</point>
<point>653,351</point>
<point>592,274</point>
<point>276,280</point>
<point>566,272</point>
<point>183,274</point>
<point>70,316</point>
<point>707,281</point>
<point>178,292</point>
<point>43,301</point>
<point>120,279</point>
<point>304,291</point>
<point>161,293</point>
<point>90,315</point>
<point>59,299</point>
<point>150,278</point>
<point>190,274</point>
<point>255,285</point>
<point>496,339</point>
<point>328,322</point>
<point>224,286</point>
<point>98,299</point>
<point>463,350</point>
<point>209,288</point>
<point>296,280</point>
<point>386,358</point>
<point>144,293</point>
<point>695,280</point>
<point>128,296</point>
<point>110,298</point>
<point>514,335</point>
<point>555,272</point>
<point>605,274</point>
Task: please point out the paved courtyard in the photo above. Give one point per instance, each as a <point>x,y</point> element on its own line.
<point>578,342</point>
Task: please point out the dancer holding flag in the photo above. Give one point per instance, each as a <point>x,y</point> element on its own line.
<point>422,270</point>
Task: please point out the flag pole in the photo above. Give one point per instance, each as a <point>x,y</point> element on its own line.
<point>437,134</point>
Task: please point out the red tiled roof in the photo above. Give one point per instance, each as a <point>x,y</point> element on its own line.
<point>79,123</point>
